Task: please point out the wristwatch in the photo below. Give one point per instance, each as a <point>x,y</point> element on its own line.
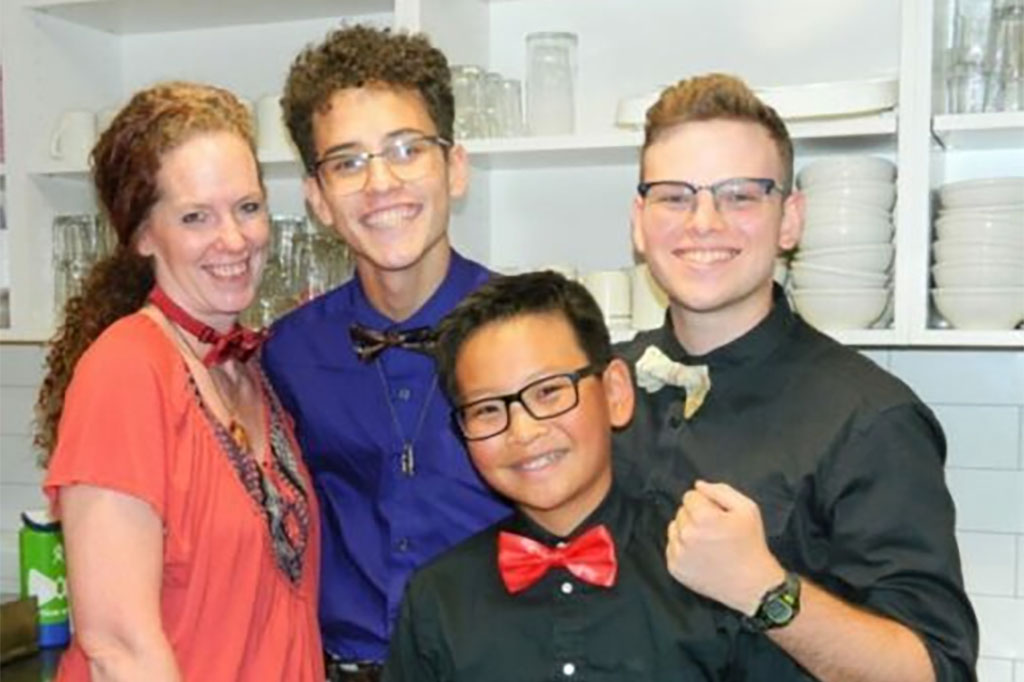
<point>778,607</point>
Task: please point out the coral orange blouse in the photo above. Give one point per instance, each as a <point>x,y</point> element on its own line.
<point>233,609</point>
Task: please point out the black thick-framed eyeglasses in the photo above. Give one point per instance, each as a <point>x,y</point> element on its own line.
<point>545,398</point>
<point>407,157</point>
<point>731,195</point>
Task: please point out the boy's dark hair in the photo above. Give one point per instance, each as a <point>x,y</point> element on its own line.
<point>504,298</point>
<point>363,56</point>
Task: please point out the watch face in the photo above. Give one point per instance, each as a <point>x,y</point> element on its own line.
<point>778,611</point>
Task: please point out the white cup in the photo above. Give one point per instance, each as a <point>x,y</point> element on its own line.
<point>611,290</point>
<point>649,299</point>
<point>74,137</point>
<point>272,139</point>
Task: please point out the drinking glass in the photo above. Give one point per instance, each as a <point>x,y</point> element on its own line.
<point>551,83</point>
<point>467,87</point>
<point>510,108</point>
<point>1005,58</point>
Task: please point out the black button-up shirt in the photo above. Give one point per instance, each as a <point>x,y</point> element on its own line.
<point>844,461</point>
<point>459,624</point>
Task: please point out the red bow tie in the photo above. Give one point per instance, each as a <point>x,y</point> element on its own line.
<point>238,343</point>
<point>590,557</point>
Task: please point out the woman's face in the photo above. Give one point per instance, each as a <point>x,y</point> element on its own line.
<point>209,227</point>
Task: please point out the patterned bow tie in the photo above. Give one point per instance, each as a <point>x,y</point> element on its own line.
<point>239,343</point>
<point>369,343</point>
<point>654,371</point>
<point>590,557</point>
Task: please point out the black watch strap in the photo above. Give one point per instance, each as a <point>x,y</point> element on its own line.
<point>778,607</point>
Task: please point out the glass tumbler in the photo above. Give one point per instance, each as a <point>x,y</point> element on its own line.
<point>1005,60</point>
<point>551,83</point>
<point>467,88</point>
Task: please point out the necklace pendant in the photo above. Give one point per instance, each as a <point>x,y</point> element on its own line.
<point>408,462</point>
<point>238,434</point>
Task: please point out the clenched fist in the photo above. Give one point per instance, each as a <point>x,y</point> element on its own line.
<point>717,548</point>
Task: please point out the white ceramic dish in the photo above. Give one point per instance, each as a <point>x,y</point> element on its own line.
<point>817,210</point>
<point>880,195</point>
<point>990,308</point>
<point>811,276</point>
<point>865,257</point>
<point>838,98</point>
<point>979,274</point>
<point>954,250</point>
<point>828,235</point>
<point>837,309</point>
<point>631,112</point>
<point>981,228</point>
<point>983,192</point>
<point>846,168</point>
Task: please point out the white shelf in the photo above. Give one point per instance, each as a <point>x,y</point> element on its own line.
<point>1003,130</point>
<point>1013,338</point>
<point>849,337</point>
<point>621,146</point>
<point>145,16</point>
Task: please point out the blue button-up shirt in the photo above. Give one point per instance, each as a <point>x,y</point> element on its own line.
<point>378,523</point>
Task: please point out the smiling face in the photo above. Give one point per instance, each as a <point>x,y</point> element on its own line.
<point>556,470</point>
<point>713,267</point>
<point>208,230</point>
<point>390,224</point>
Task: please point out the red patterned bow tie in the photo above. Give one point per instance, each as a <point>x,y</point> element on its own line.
<point>590,557</point>
<point>239,343</point>
<point>369,343</point>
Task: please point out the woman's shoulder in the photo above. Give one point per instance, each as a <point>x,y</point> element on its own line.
<point>133,344</point>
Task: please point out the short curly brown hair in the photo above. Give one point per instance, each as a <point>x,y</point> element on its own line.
<point>125,162</point>
<point>358,56</point>
<point>717,96</point>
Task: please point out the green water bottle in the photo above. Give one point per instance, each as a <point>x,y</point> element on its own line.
<point>43,574</point>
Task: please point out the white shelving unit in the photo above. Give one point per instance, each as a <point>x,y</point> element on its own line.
<point>533,200</point>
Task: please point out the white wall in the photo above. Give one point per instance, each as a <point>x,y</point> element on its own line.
<point>978,396</point>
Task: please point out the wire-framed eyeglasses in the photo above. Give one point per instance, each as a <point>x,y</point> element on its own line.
<point>409,158</point>
<point>544,398</point>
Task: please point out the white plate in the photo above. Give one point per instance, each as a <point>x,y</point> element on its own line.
<point>983,193</point>
<point>841,98</point>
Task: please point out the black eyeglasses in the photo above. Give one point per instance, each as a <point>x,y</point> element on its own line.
<point>542,399</point>
<point>733,196</point>
<point>409,158</point>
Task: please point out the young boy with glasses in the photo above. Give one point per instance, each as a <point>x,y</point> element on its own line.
<point>829,527</point>
<point>371,113</point>
<point>574,585</point>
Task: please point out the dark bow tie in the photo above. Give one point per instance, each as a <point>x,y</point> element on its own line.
<point>369,343</point>
<point>590,557</point>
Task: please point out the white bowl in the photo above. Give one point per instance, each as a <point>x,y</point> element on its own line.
<point>810,276</point>
<point>841,308</point>
<point>846,168</point>
<point>978,274</point>
<point>870,257</point>
<point>826,235</point>
<point>983,192</point>
<point>878,194</point>
<point>833,209</point>
<point>979,228</point>
<point>953,250</point>
<point>1013,213</point>
<point>980,307</point>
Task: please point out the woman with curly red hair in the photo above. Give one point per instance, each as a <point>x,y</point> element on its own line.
<point>189,518</point>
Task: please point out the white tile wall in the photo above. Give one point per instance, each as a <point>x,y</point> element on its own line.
<point>978,396</point>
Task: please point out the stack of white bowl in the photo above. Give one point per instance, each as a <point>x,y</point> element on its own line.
<point>841,274</point>
<point>979,253</point>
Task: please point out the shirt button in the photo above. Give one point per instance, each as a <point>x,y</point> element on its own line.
<point>404,394</point>
<point>402,545</point>
<point>567,588</point>
<point>568,670</point>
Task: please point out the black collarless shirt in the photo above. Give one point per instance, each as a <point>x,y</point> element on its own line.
<point>845,462</point>
<point>459,624</point>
